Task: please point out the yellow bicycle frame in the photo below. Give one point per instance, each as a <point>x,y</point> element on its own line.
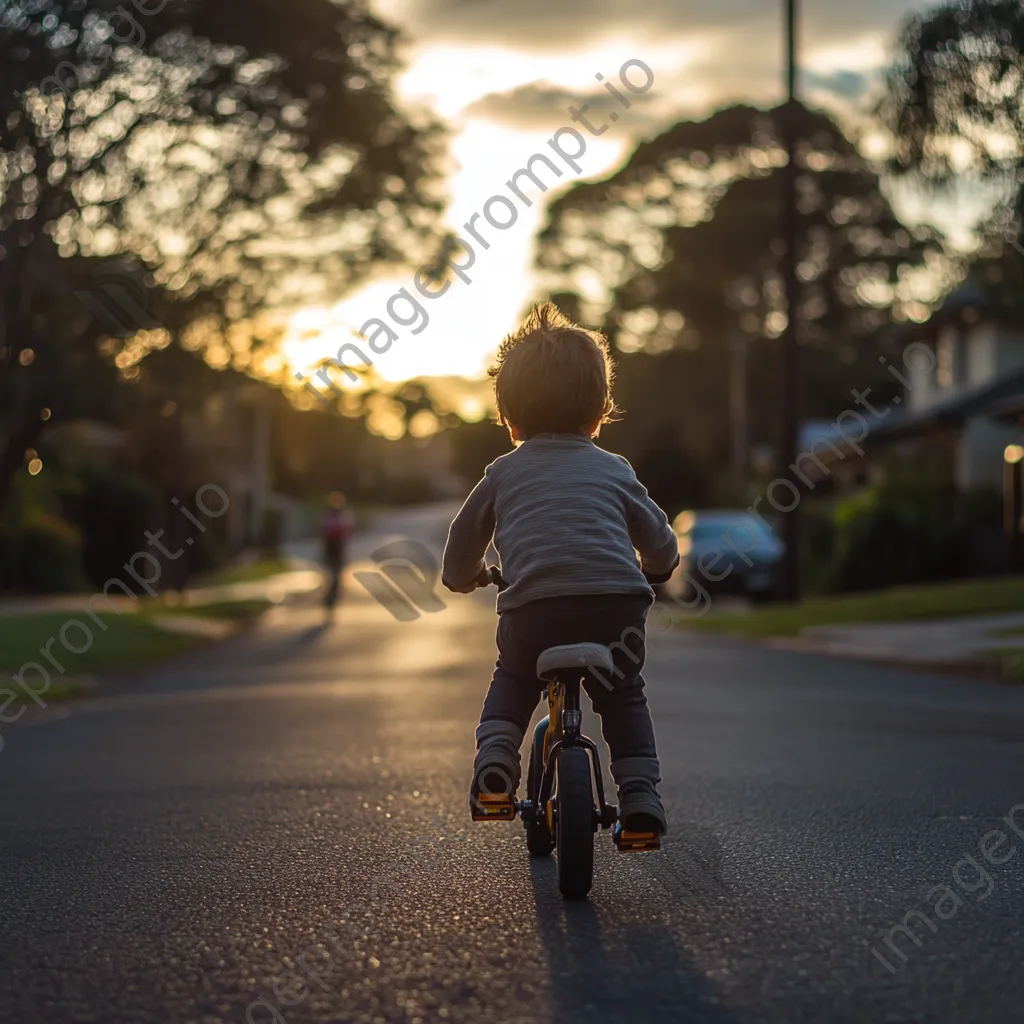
<point>556,701</point>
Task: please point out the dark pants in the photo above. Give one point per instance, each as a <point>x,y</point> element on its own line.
<point>615,620</point>
<point>334,554</point>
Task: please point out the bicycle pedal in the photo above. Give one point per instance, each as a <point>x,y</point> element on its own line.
<point>637,842</point>
<point>492,807</point>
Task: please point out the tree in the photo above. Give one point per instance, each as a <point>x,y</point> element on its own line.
<point>958,77</point>
<point>686,241</point>
<point>51,367</point>
<point>233,165</point>
<point>955,108</point>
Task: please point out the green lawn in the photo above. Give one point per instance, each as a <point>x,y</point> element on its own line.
<point>1010,662</point>
<point>941,600</point>
<point>131,641</point>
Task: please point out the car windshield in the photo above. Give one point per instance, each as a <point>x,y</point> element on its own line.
<point>707,530</point>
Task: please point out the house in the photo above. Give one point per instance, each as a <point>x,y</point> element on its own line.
<point>957,423</point>
<point>962,371</point>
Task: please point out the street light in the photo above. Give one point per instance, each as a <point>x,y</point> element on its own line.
<point>1012,457</point>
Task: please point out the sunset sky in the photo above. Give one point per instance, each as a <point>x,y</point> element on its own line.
<point>503,77</point>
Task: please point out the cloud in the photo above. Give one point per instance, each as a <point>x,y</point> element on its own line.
<point>545,26</point>
<point>848,85</point>
<point>543,105</point>
<point>534,104</point>
<point>521,66</point>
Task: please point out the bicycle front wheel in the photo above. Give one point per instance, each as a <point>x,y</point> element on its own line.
<point>574,824</point>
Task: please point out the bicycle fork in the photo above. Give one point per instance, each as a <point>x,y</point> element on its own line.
<point>563,729</point>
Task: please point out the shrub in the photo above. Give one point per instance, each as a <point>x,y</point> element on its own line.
<point>113,511</point>
<point>903,531</point>
<point>43,556</point>
<point>818,541</point>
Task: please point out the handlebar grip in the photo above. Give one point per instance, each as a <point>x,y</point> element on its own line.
<point>491,576</point>
<point>494,577</point>
<point>658,578</point>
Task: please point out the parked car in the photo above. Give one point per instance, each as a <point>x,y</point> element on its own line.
<point>726,552</point>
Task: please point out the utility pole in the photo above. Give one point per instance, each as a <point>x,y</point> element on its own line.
<point>790,339</point>
<point>259,473</point>
<point>738,413</point>
<point>1013,493</point>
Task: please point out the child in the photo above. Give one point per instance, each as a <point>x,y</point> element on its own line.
<point>336,528</point>
<point>567,520</point>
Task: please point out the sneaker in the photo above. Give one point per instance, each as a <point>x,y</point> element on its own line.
<point>640,807</point>
<point>496,771</point>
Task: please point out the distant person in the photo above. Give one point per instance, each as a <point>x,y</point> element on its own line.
<point>335,532</point>
<point>567,520</point>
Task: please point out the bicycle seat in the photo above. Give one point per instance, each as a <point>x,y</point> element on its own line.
<point>577,656</point>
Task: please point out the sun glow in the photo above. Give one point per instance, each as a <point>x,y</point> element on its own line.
<point>503,103</point>
<point>464,326</point>
<point>452,78</point>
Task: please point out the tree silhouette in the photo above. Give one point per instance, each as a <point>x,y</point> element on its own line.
<point>686,241</point>
<point>237,157</point>
<point>955,108</point>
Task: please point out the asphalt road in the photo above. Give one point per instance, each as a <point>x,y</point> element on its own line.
<point>278,830</point>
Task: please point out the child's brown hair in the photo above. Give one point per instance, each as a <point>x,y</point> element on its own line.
<point>553,376</point>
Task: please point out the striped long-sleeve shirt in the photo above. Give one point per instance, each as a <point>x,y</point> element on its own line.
<point>566,518</point>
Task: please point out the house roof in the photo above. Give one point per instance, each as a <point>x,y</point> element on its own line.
<point>973,301</point>
<point>969,295</point>
<point>997,398</point>
<point>1010,410</point>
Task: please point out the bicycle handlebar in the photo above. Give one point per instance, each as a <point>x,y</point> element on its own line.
<point>491,576</point>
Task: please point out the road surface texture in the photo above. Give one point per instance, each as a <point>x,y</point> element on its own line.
<point>277,830</point>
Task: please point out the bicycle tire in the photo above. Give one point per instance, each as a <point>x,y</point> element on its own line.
<point>574,824</point>
<point>539,840</point>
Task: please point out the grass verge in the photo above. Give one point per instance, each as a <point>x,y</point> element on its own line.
<point>118,644</point>
<point>934,601</point>
<point>113,644</point>
<point>1008,663</point>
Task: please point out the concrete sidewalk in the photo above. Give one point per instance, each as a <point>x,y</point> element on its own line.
<point>958,641</point>
<point>426,524</point>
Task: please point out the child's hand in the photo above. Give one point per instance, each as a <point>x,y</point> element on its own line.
<point>466,588</point>
<point>485,579</point>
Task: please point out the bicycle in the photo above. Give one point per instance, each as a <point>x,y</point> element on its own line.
<point>565,799</point>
